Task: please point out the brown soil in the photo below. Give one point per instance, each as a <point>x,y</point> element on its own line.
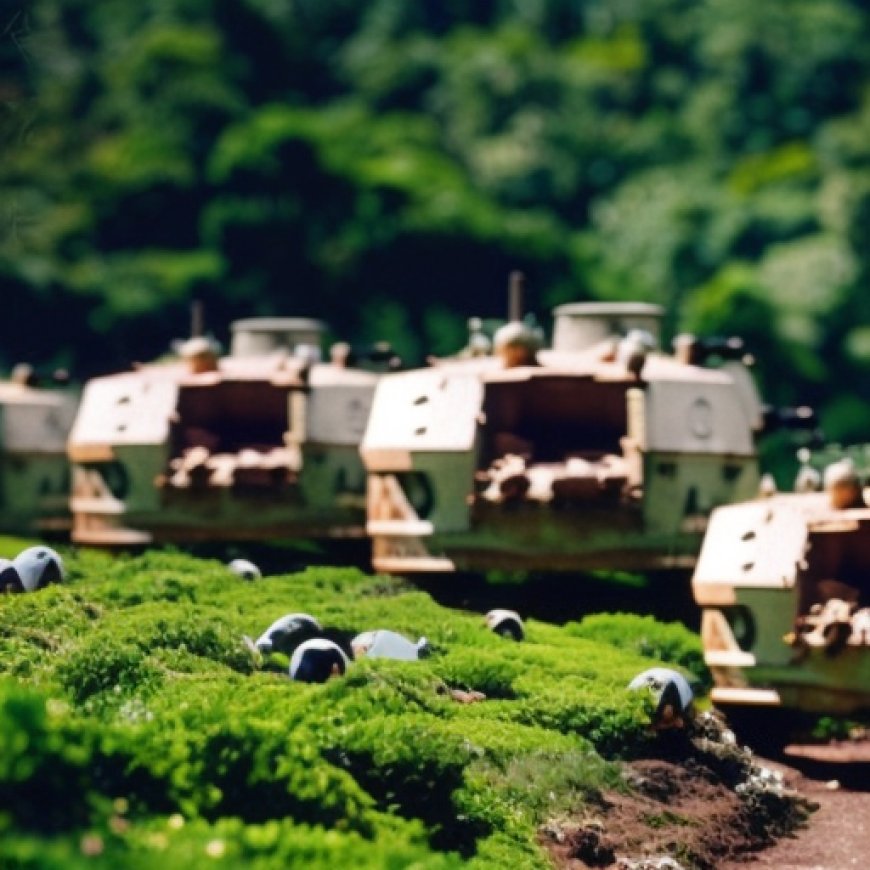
<point>683,808</point>
<point>687,809</point>
<point>836,776</point>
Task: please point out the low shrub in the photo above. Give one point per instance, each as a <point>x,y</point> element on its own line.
<point>668,642</point>
<point>43,764</point>
<point>161,842</point>
<point>130,686</point>
<point>99,667</point>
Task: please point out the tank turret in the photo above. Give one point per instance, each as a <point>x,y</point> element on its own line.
<point>581,325</point>
<point>259,444</point>
<point>784,587</point>
<point>260,336</point>
<point>600,451</point>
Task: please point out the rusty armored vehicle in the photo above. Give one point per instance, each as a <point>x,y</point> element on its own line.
<point>34,475</point>
<point>259,444</point>
<point>784,586</point>
<point>600,451</point>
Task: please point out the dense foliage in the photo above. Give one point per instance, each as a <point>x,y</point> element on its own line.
<point>668,642</point>
<point>385,163</point>
<point>137,729</point>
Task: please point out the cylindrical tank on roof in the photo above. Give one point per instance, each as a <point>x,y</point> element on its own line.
<point>257,336</point>
<point>579,325</point>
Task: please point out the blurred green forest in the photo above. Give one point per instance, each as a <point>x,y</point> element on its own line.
<point>384,164</point>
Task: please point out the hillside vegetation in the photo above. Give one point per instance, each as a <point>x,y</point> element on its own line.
<point>384,164</point>
<point>138,730</point>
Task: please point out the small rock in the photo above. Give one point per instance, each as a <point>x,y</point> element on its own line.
<point>316,660</point>
<point>36,567</point>
<point>506,623</point>
<point>467,697</point>
<point>245,569</point>
<point>286,633</point>
<point>672,696</point>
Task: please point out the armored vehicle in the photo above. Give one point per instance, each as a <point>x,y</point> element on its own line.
<point>784,586</point>
<point>599,452</point>
<point>260,444</point>
<point>34,476</point>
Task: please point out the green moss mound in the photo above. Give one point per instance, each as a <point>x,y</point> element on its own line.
<point>137,729</point>
<point>669,642</point>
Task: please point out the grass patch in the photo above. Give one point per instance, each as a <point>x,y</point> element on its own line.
<point>128,696</point>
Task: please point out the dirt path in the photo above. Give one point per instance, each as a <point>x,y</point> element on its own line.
<point>838,834</point>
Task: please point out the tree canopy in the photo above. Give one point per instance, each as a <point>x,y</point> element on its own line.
<point>384,164</point>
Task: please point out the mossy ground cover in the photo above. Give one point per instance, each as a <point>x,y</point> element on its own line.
<point>138,730</point>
